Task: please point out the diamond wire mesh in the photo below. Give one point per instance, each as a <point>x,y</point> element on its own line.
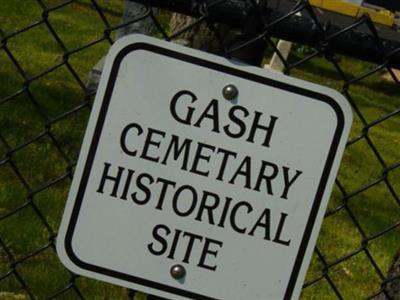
<point>45,103</point>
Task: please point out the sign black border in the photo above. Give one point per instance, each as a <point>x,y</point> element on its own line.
<point>224,69</point>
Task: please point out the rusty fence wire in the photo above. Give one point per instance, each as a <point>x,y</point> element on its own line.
<point>50,60</point>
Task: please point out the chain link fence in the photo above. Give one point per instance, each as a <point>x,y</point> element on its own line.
<point>47,50</point>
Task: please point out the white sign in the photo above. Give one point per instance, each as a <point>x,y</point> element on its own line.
<point>172,172</point>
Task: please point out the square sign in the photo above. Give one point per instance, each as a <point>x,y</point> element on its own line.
<point>201,178</point>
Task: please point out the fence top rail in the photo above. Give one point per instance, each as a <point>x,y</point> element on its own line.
<point>301,24</point>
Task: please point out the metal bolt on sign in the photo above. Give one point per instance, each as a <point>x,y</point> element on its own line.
<point>178,271</point>
<point>230,92</point>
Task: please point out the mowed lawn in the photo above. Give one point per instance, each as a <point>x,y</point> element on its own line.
<point>59,92</point>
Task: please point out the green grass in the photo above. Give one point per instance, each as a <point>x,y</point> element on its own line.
<point>41,162</point>
<point>374,209</point>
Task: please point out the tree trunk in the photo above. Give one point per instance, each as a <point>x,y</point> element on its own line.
<point>199,36</point>
<point>221,37</point>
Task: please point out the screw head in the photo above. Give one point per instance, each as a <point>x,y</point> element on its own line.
<point>177,271</point>
<point>230,92</point>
